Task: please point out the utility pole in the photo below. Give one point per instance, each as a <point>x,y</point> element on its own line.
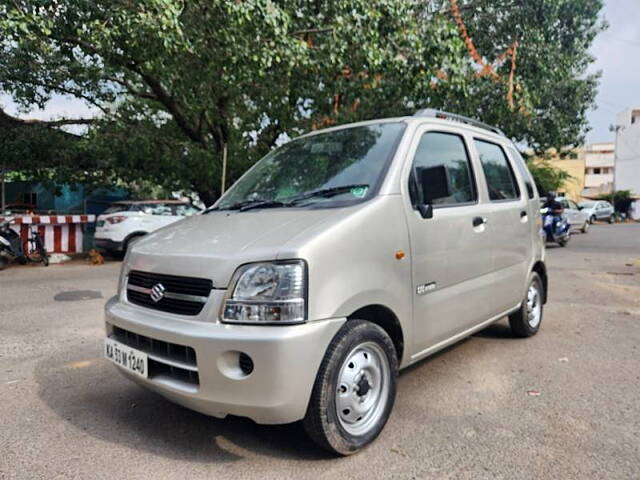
<point>616,129</point>
<point>2,195</point>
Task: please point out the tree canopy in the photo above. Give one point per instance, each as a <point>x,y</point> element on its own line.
<point>183,88</point>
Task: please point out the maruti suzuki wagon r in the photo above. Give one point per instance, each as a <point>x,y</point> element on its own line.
<point>336,260</point>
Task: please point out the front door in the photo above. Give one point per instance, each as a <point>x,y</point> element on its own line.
<point>451,252</point>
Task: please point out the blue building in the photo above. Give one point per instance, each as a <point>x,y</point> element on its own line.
<point>59,199</point>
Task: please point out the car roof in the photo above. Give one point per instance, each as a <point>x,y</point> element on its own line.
<point>418,119</point>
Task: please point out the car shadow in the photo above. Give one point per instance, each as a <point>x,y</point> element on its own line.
<point>98,401</point>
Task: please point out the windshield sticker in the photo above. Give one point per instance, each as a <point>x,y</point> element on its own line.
<point>359,192</point>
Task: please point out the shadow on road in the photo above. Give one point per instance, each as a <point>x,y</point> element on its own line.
<point>95,399</point>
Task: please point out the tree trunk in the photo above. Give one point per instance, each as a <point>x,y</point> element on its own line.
<point>207,196</point>
<point>224,168</point>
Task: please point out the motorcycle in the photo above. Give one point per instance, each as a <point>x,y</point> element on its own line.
<point>557,228</point>
<point>11,247</point>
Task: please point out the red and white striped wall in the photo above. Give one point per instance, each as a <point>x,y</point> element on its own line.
<point>61,233</point>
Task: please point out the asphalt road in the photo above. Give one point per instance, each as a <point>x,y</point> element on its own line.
<point>467,412</point>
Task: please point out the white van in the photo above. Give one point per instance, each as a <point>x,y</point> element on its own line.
<point>338,259</point>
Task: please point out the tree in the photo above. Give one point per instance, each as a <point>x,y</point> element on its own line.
<point>183,86</point>
<point>547,177</point>
<point>620,199</point>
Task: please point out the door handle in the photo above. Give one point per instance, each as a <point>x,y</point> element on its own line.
<point>477,221</point>
<point>523,213</point>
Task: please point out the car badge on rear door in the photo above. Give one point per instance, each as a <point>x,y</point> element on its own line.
<point>157,292</point>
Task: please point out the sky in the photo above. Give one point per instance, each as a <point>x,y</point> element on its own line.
<point>616,52</point>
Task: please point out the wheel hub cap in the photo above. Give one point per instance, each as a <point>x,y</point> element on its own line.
<point>363,388</point>
<point>534,306</point>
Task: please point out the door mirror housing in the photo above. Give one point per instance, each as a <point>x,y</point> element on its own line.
<point>435,184</point>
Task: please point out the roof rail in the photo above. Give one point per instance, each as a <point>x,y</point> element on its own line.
<point>433,113</point>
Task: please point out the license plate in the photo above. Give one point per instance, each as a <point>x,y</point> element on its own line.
<point>126,357</point>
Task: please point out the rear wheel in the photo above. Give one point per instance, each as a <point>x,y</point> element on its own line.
<point>526,321</point>
<point>354,390</point>
<point>4,262</point>
<point>610,220</point>
<point>585,227</point>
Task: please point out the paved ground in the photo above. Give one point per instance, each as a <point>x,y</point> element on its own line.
<point>465,413</point>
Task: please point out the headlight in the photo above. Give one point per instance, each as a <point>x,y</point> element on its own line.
<point>267,292</point>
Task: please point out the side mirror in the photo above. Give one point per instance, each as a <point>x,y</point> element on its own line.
<point>435,184</point>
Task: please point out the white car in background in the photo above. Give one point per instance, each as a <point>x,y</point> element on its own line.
<point>578,218</point>
<point>126,221</point>
<point>598,210</point>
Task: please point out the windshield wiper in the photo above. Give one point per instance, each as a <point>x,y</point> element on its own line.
<point>323,192</point>
<point>248,205</point>
<point>329,192</point>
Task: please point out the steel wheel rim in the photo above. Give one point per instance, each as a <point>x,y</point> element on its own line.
<point>363,388</point>
<point>534,306</point>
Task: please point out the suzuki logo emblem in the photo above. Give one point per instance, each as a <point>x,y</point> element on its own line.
<point>157,292</point>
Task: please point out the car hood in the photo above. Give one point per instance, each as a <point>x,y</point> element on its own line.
<point>213,245</point>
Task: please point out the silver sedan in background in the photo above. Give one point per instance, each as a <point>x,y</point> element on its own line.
<point>598,210</point>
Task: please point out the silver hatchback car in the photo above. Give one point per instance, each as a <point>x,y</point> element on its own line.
<point>338,259</point>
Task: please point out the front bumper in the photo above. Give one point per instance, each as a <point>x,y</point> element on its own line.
<point>286,360</point>
<point>106,244</point>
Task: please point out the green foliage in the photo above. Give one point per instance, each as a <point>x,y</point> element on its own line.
<point>547,177</point>
<point>620,199</point>
<point>175,81</point>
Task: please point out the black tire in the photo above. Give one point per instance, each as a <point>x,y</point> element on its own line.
<point>610,220</point>
<point>585,227</point>
<point>4,263</point>
<point>128,241</point>
<point>519,320</point>
<point>45,256</point>
<point>592,219</point>
<point>321,421</point>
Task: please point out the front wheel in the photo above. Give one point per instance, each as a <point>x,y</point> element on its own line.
<point>35,252</point>
<point>354,390</point>
<point>526,321</point>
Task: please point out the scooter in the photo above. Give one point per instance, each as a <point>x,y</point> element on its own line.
<point>10,245</point>
<point>557,228</point>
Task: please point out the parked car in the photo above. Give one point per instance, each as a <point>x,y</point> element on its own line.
<point>339,258</point>
<point>598,210</point>
<point>576,215</point>
<point>126,221</point>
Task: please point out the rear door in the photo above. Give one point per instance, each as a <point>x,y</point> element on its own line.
<point>451,256</point>
<point>509,224</point>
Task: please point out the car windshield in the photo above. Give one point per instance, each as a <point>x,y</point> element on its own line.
<point>335,168</point>
<point>587,204</point>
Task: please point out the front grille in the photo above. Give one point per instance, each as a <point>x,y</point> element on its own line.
<point>182,295</point>
<point>170,360</point>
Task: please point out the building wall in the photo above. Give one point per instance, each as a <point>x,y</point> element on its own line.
<point>599,159</point>
<point>628,151</point>
<point>573,166</point>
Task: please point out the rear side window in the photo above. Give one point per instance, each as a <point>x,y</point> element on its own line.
<point>501,181</point>
<point>117,207</point>
<point>524,172</point>
<point>437,149</point>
